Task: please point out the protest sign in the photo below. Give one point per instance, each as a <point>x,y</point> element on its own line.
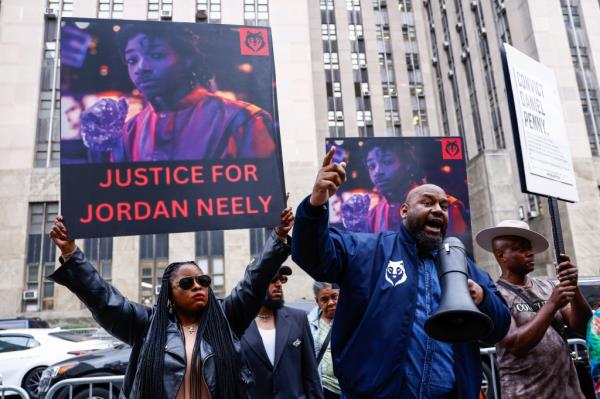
<point>167,127</point>
<point>542,145</point>
<point>382,170</point>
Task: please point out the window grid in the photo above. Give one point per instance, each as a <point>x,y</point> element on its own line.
<point>47,144</point>
<point>41,255</point>
<point>212,8</point>
<point>454,84</point>
<point>353,5</point>
<point>158,9</point>
<point>154,258</point>
<point>63,8</point>
<point>110,8</point>
<point>335,116</point>
<point>489,75</point>
<point>256,12</point>
<point>438,71</point>
<point>210,256</point>
<point>386,69</point>
<point>99,252</point>
<point>326,5</point>
<point>502,28</point>
<point>258,237</point>
<point>359,66</point>
<point>413,67</point>
<point>468,67</point>
<point>586,79</point>
<point>533,205</point>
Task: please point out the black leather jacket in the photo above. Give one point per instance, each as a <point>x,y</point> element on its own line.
<point>129,321</point>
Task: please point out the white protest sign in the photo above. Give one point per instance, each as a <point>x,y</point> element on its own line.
<point>542,146</point>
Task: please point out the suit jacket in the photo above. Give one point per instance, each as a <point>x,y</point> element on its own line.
<point>294,374</point>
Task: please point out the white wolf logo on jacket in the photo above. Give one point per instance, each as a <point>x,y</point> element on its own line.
<point>395,273</point>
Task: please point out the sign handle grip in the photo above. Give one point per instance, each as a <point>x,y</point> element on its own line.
<point>559,245</point>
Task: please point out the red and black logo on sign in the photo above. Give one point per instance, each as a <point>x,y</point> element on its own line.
<point>254,41</point>
<point>451,148</point>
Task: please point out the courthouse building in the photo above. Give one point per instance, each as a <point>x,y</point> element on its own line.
<point>345,68</point>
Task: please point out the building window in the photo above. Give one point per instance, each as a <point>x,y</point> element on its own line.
<point>41,254</point>
<point>436,66</point>
<point>468,68</point>
<point>358,59</point>
<point>63,8</point>
<point>587,81</point>
<point>210,256</point>
<point>258,237</point>
<point>488,70</point>
<point>99,252</point>
<point>353,5</point>
<point>328,32</point>
<point>364,120</point>
<point>326,5</point>
<point>335,121</point>
<point>47,146</point>
<point>453,81</point>
<point>386,69</point>
<point>355,32</point>
<point>110,8</point>
<point>413,67</point>
<point>212,8</point>
<point>154,258</point>
<point>159,9</point>
<point>533,206</point>
<point>330,61</point>
<point>256,12</point>
<point>332,70</point>
<point>502,28</point>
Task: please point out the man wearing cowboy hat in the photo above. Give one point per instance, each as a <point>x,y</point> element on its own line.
<point>534,357</point>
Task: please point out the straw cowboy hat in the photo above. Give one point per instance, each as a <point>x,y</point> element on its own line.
<point>516,228</point>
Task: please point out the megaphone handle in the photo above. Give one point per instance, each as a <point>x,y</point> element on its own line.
<point>440,275</point>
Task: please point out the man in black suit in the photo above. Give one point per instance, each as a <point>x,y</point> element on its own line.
<point>279,348</point>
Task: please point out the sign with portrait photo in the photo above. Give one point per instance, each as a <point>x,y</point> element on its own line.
<point>167,127</point>
<point>380,173</point>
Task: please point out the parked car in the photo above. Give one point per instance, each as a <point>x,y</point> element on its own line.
<point>23,322</point>
<point>25,353</point>
<point>106,362</point>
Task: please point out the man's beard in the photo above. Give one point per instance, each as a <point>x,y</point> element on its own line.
<point>426,243</point>
<point>273,304</point>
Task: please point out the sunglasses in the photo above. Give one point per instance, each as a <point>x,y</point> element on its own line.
<point>187,283</point>
<point>283,279</point>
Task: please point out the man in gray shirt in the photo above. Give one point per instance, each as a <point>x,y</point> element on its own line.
<point>534,357</point>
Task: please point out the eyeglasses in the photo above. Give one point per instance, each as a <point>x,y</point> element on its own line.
<point>283,279</point>
<point>187,283</point>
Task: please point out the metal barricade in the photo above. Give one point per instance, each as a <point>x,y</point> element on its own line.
<point>491,354</point>
<point>578,350</point>
<point>70,383</point>
<point>11,390</point>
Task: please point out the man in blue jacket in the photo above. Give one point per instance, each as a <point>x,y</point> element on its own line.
<point>389,287</point>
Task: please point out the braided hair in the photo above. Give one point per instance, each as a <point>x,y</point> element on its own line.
<point>213,328</point>
<point>184,41</point>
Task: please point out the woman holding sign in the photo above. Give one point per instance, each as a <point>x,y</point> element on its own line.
<point>182,119</point>
<point>186,347</point>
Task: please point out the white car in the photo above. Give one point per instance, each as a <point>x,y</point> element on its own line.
<point>25,354</point>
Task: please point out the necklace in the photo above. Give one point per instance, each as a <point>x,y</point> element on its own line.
<point>191,328</point>
<point>264,317</point>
